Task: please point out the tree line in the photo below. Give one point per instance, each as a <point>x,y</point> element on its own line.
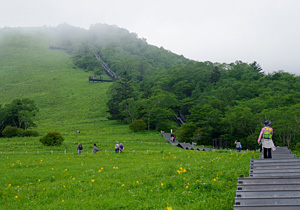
<point>219,101</point>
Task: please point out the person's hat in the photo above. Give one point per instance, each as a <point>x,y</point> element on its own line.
<point>267,122</point>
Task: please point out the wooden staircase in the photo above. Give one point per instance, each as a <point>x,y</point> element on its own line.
<point>273,184</point>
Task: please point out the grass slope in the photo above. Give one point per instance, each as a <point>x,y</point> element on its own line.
<point>63,94</point>
<point>150,174</point>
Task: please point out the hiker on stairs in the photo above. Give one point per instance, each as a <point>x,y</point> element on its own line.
<point>265,137</point>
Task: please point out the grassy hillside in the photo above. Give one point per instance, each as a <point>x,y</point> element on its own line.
<point>63,94</point>
<point>150,174</point>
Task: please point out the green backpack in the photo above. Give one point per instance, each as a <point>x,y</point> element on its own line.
<point>267,134</point>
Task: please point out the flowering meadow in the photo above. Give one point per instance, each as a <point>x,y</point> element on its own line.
<point>162,177</point>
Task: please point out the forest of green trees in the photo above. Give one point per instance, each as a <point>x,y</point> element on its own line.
<point>228,101</point>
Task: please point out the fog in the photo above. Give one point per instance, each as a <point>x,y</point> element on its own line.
<point>266,31</point>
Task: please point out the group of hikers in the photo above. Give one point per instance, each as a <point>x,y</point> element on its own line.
<point>118,148</point>
<point>264,139</point>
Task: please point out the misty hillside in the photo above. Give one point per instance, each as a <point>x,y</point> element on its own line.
<point>38,63</point>
<point>52,67</point>
<point>28,69</point>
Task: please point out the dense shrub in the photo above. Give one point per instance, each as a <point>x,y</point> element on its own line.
<point>22,133</point>
<point>30,133</point>
<point>297,147</point>
<point>138,125</point>
<point>187,131</point>
<point>164,125</point>
<point>10,131</point>
<point>52,139</point>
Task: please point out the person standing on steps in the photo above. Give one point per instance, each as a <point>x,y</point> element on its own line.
<point>172,137</point>
<point>265,137</point>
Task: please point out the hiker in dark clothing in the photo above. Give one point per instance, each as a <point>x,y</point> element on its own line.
<point>79,148</point>
<point>95,149</point>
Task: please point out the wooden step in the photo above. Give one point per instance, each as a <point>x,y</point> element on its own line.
<point>268,201</point>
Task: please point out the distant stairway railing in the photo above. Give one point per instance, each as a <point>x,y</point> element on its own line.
<point>179,119</point>
<point>94,79</point>
<point>108,71</point>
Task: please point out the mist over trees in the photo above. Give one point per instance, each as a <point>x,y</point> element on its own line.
<point>219,100</point>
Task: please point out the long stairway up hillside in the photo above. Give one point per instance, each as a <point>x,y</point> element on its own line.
<point>273,184</point>
<point>108,71</point>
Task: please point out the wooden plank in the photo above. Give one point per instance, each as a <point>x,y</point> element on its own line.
<point>267,207</point>
<point>268,201</point>
<point>267,193</point>
<point>278,170</point>
<point>268,180</point>
<point>276,186</point>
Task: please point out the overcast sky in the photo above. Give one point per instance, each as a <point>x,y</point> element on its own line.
<point>266,31</point>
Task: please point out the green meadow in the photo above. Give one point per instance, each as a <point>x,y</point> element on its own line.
<point>149,174</point>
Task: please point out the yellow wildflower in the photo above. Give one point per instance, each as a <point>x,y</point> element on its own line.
<point>161,184</point>
<point>16,196</point>
<point>93,180</point>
